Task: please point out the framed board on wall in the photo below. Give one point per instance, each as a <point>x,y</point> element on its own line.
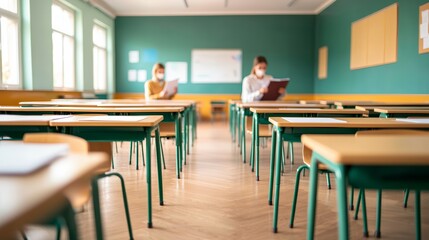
<point>323,62</point>
<point>216,65</point>
<point>424,28</point>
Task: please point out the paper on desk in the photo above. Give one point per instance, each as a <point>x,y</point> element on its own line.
<point>114,118</point>
<point>18,118</point>
<point>312,120</point>
<point>413,120</point>
<point>171,86</point>
<point>24,158</point>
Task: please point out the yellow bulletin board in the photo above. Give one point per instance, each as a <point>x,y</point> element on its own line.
<point>424,28</point>
<point>323,62</point>
<point>374,39</point>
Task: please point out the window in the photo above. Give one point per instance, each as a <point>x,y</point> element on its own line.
<point>99,39</point>
<point>9,45</point>
<point>63,46</point>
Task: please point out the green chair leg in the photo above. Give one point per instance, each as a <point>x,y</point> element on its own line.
<point>113,163</point>
<point>378,215</point>
<point>124,199</point>
<point>162,153</point>
<point>96,208</point>
<point>291,154</point>
<point>352,193</point>
<point>136,147</point>
<point>58,229</point>
<point>364,216</point>
<point>417,216</point>
<point>359,198</point>
<point>283,159</point>
<point>328,180</point>
<point>141,144</point>
<point>407,193</point>
<point>131,151</point>
<point>295,193</point>
<point>70,220</point>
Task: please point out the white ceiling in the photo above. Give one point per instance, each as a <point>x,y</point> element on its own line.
<point>212,7</point>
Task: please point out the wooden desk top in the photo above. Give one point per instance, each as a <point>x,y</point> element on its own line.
<point>369,103</point>
<point>28,120</point>
<point>147,104</point>
<point>370,150</point>
<point>29,198</point>
<point>277,104</point>
<point>316,102</point>
<point>108,103</point>
<point>79,121</point>
<point>94,109</point>
<point>351,123</point>
<point>410,110</point>
<point>308,110</point>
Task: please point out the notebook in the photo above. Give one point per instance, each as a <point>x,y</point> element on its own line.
<point>273,89</point>
<point>18,158</point>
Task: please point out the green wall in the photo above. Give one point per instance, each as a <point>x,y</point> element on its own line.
<point>37,44</point>
<point>285,40</point>
<point>409,75</point>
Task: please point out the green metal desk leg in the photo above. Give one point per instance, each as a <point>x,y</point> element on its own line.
<point>364,216</point>
<point>378,215</point>
<point>272,161</point>
<point>159,166</point>
<point>149,179</point>
<point>343,227</point>
<point>278,174</point>
<point>252,148</point>
<point>187,138</point>
<point>238,114</point>
<point>178,145</point>
<point>417,215</point>
<point>96,208</point>
<point>256,147</point>
<point>312,198</point>
<point>243,136</point>
<point>69,217</point>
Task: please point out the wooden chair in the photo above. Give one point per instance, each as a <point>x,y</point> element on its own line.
<point>80,194</point>
<point>306,157</point>
<point>218,107</point>
<point>361,197</point>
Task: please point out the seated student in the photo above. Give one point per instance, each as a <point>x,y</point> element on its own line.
<point>256,84</point>
<point>154,88</point>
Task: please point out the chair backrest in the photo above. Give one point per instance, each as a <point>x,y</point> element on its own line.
<point>76,144</point>
<point>80,193</point>
<point>391,132</point>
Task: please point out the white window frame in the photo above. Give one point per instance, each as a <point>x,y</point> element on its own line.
<point>16,18</point>
<point>63,34</point>
<point>105,50</point>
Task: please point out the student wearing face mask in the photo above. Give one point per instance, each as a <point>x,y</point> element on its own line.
<point>255,84</point>
<point>154,88</point>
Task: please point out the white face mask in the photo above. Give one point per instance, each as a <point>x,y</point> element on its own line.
<point>259,73</point>
<point>160,76</point>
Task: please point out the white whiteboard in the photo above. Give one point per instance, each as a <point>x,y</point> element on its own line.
<point>216,65</point>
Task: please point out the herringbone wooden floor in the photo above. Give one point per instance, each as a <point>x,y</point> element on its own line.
<point>219,198</point>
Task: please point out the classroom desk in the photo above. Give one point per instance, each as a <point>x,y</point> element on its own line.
<point>402,112</point>
<point>189,114</point>
<point>343,155</point>
<point>170,114</point>
<point>35,197</point>
<point>15,126</point>
<point>353,104</point>
<point>262,115</point>
<point>233,117</point>
<point>244,111</point>
<point>292,131</point>
<point>108,130</point>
